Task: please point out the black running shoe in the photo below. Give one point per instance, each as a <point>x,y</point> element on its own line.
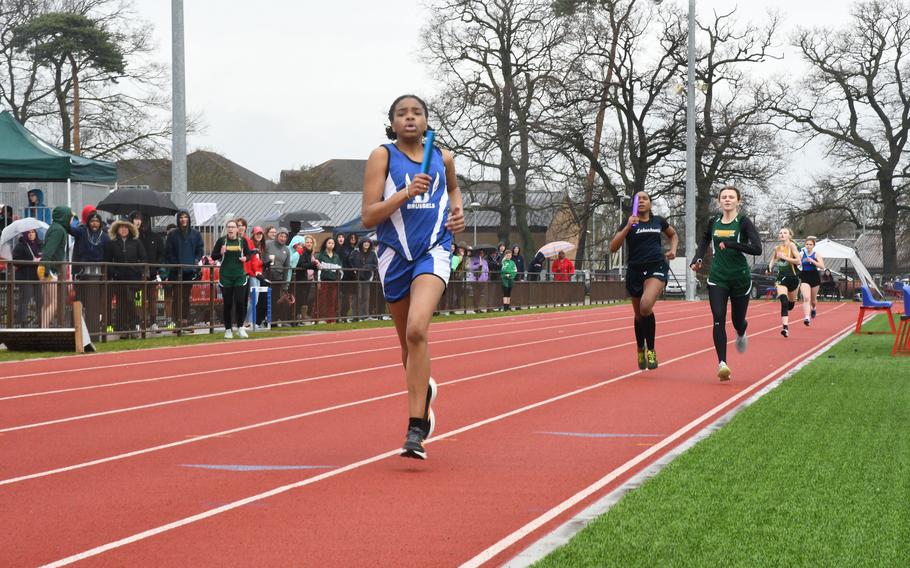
<point>813,313</point>
<point>785,331</point>
<point>413,445</point>
<point>806,322</point>
<point>428,414</point>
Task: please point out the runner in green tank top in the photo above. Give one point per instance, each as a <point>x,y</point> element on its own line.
<point>729,269</point>
<point>783,265</point>
<point>733,236</point>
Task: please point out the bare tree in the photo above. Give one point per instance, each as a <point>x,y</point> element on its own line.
<point>855,98</point>
<point>494,58</point>
<point>644,122</point>
<point>126,118</point>
<point>736,141</point>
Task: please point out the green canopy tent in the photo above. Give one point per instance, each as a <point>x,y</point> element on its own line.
<point>25,157</point>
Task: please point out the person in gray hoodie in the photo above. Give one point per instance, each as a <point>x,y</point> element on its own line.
<point>280,274</point>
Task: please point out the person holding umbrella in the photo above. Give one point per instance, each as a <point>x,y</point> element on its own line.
<point>563,268</point>
<point>28,248</point>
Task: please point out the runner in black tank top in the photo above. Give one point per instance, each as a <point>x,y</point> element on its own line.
<point>647,271</point>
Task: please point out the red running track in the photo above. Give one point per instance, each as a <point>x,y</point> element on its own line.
<point>285,452</point>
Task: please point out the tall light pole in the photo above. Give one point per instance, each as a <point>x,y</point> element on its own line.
<point>690,155</point>
<point>690,151</point>
<point>474,206</point>
<point>178,86</point>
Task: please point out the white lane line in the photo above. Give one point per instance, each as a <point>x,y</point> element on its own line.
<point>296,381</point>
<point>512,539</point>
<point>318,411</point>
<point>385,332</point>
<point>329,474</point>
<point>223,370</point>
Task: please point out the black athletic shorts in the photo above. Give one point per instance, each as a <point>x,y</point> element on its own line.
<point>790,281</point>
<point>810,277</point>
<point>636,276</point>
<point>506,291</point>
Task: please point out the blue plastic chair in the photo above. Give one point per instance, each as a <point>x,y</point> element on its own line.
<point>873,305</point>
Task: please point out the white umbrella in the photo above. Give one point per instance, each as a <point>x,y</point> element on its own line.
<point>14,230</point>
<point>556,247</point>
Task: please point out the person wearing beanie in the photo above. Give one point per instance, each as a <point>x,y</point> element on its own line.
<point>183,246</point>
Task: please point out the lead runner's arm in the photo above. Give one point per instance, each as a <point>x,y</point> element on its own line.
<point>455,223</point>
<point>753,240</point>
<point>375,209</point>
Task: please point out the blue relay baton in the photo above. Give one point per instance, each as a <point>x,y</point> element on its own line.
<point>427,151</point>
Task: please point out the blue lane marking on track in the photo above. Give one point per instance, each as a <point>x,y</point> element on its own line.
<point>256,467</point>
<point>598,435</point>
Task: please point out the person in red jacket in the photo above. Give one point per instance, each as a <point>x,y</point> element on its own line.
<point>563,268</point>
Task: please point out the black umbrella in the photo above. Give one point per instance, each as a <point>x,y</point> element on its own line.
<point>353,227</point>
<point>302,215</point>
<point>147,201</point>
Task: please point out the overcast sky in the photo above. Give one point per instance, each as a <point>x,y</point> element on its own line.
<point>283,83</point>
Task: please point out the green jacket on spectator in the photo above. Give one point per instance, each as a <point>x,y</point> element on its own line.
<point>56,240</point>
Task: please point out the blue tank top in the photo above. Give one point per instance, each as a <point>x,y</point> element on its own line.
<point>419,224</point>
<point>806,265</point>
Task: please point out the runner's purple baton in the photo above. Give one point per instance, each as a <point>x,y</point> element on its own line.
<point>635,208</point>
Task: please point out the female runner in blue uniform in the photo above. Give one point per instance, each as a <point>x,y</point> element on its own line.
<point>647,271</point>
<point>810,279</point>
<point>415,216</point>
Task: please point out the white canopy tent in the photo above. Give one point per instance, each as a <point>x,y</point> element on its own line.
<point>829,249</point>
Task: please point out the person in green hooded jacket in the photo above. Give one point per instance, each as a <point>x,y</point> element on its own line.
<point>56,247</point>
<point>508,271</point>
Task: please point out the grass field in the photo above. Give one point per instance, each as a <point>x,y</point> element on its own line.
<point>815,473</point>
<point>173,340</point>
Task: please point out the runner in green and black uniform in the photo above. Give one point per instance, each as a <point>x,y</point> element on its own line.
<point>733,236</point>
<point>783,266</point>
<point>647,271</point>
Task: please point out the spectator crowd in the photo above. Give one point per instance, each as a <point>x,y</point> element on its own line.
<point>120,262</point>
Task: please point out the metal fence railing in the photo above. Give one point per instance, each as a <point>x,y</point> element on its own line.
<point>138,300</point>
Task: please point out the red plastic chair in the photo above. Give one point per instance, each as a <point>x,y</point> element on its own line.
<point>902,341</point>
<point>870,304</point>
